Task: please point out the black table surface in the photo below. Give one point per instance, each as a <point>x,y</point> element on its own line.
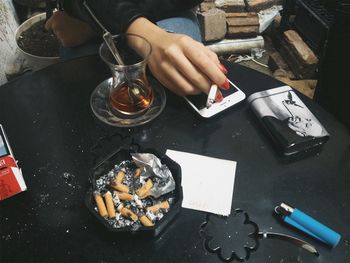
<point>57,140</point>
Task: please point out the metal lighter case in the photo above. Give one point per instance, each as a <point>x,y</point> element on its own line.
<point>307,224</point>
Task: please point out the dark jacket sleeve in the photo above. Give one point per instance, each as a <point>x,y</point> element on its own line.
<point>117,15</point>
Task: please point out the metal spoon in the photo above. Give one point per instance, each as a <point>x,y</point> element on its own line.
<point>135,93</point>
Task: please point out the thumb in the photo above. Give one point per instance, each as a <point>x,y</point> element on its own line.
<point>48,24</point>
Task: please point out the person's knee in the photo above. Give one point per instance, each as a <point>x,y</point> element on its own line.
<point>185,23</point>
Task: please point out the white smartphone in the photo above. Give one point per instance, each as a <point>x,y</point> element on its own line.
<point>231,96</point>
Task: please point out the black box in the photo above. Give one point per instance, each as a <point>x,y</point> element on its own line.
<point>313,22</point>
<point>289,123</point>
<point>120,156</point>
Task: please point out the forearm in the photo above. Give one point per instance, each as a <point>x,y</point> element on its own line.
<point>145,28</point>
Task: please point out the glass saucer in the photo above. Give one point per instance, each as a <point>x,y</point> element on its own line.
<point>102,108</point>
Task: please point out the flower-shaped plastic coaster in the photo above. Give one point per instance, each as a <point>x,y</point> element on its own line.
<point>235,237</point>
<point>232,238</point>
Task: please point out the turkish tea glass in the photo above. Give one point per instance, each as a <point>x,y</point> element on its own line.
<point>130,93</point>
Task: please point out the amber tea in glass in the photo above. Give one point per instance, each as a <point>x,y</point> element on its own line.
<point>128,100</point>
<point>130,93</point>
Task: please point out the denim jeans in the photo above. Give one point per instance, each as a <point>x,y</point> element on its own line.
<point>185,23</point>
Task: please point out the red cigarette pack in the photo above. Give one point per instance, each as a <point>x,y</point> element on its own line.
<point>11,178</point>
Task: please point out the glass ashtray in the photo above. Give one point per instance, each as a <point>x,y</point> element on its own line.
<point>103,110</point>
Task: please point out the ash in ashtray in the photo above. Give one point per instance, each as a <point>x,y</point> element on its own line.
<point>135,193</point>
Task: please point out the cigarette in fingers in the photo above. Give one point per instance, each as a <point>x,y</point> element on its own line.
<point>109,204</point>
<point>211,95</point>
<point>219,96</point>
<point>101,207</point>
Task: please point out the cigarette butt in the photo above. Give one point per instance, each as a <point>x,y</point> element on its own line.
<point>125,196</point>
<point>101,205</point>
<point>142,191</point>
<point>138,201</point>
<point>109,204</point>
<point>120,207</point>
<point>145,221</point>
<point>128,214</point>
<point>155,208</point>
<point>164,205</point>
<point>120,177</point>
<point>120,187</point>
<point>146,194</point>
<point>137,172</point>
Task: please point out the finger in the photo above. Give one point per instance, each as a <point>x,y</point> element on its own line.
<point>60,36</point>
<point>178,84</point>
<point>190,72</point>
<point>223,68</point>
<point>172,79</point>
<point>212,55</point>
<point>200,59</point>
<point>48,24</point>
<point>56,20</point>
<point>219,97</point>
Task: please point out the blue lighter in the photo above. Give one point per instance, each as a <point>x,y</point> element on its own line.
<point>307,224</point>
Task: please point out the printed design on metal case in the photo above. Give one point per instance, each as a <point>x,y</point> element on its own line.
<point>231,238</point>
<point>284,108</point>
<point>302,125</point>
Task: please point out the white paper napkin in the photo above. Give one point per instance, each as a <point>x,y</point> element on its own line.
<point>207,182</point>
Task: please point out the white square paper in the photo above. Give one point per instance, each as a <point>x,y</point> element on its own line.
<point>207,182</point>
